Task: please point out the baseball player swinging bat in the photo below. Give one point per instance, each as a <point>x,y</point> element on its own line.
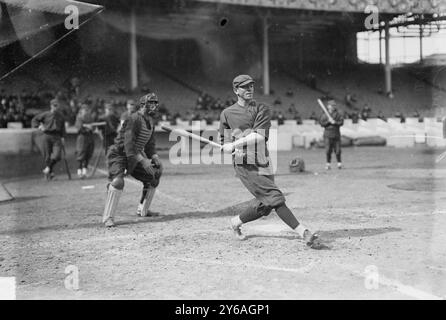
<point>187,134</point>
<point>325,110</point>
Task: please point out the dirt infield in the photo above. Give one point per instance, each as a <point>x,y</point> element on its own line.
<point>382,220</point>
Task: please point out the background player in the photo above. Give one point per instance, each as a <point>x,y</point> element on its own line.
<point>52,124</point>
<point>134,153</point>
<point>131,108</point>
<point>332,133</point>
<point>244,131</point>
<point>110,130</point>
<point>85,140</point>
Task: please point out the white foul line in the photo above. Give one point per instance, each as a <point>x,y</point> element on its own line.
<point>304,269</point>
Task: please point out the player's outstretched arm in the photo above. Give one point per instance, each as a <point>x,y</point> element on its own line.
<point>250,139</point>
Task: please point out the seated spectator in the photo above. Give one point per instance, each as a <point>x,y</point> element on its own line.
<point>365,113</point>
<point>274,115</point>
<point>289,92</point>
<point>3,120</point>
<point>277,101</point>
<point>350,101</point>
<point>297,117</point>
<point>400,115</point>
<point>346,115</point>
<point>381,116</point>
<point>208,118</point>
<point>292,109</point>
<point>311,80</point>
<point>313,116</point>
<point>280,118</point>
<point>355,117</point>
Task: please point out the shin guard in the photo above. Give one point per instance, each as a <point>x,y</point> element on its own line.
<point>111,203</point>
<point>147,201</point>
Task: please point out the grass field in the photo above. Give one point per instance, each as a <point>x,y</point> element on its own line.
<point>382,220</point>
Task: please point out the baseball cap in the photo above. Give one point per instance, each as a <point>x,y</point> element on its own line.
<point>241,80</point>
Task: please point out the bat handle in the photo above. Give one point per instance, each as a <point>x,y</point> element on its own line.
<point>166,128</point>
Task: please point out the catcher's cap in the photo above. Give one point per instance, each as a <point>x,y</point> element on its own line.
<point>242,80</point>
<point>54,102</point>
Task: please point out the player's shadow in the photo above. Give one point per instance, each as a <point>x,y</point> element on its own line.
<point>21,199</point>
<point>332,235</point>
<point>322,244</point>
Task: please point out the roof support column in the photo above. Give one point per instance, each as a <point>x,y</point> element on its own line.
<point>265,56</point>
<point>133,52</point>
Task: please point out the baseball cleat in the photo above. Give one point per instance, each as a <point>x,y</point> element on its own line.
<point>46,173</point>
<point>327,166</point>
<point>339,165</point>
<point>148,213</point>
<point>237,231</point>
<point>109,223</point>
<point>311,239</point>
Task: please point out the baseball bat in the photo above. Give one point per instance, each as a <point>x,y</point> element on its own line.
<point>67,168</point>
<point>325,110</point>
<point>187,134</point>
<point>96,124</point>
<point>99,155</point>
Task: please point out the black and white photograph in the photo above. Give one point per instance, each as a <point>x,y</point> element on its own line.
<point>235,151</point>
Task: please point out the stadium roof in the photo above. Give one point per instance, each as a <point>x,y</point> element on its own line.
<point>384,6</point>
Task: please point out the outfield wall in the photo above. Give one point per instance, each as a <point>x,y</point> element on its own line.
<point>289,135</point>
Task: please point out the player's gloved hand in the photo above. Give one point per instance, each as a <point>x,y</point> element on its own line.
<point>228,147</point>
<point>41,127</point>
<point>238,153</point>
<point>148,166</point>
<point>157,163</point>
<point>332,121</point>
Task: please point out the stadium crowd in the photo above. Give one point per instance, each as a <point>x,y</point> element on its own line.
<point>20,108</point>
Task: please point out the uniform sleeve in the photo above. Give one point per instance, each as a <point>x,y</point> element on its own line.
<point>323,120</point>
<point>78,124</point>
<point>224,129</point>
<point>339,120</point>
<point>131,127</point>
<point>37,120</point>
<point>262,121</point>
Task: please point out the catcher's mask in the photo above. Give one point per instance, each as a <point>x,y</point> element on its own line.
<point>297,165</point>
<point>150,102</point>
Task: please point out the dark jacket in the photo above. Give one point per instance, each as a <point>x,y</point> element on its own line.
<point>332,130</point>
<point>54,123</point>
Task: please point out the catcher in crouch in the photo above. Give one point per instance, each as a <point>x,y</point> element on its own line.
<point>133,153</point>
